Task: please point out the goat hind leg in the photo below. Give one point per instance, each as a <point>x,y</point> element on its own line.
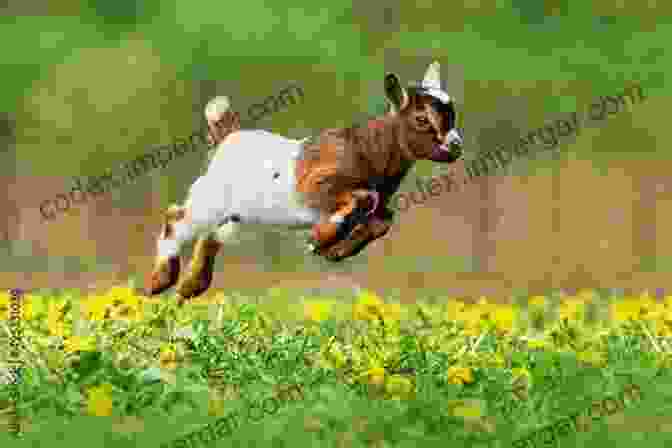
<point>199,274</point>
<point>201,268</point>
<point>167,265</point>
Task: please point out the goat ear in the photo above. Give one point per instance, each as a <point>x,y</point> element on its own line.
<point>396,95</point>
<point>432,79</point>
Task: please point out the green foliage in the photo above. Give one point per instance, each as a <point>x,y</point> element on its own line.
<point>248,353</point>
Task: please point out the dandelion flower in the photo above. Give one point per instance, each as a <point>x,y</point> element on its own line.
<point>391,312</point>
<point>628,309</point>
<point>471,318</point>
<point>503,317</point>
<point>572,309</point>
<point>99,401</point>
<point>368,307</point>
<point>317,311</point>
<point>79,344</point>
<point>454,308</point>
<point>168,357</point>
<point>56,319</point>
<point>30,306</point>
<point>26,306</point>
<point>96,308</point>
<point>538,344</point>
<point>130,309</point>
<point>586,295</point>
<point>537,301</point>
<point>460,375</point>
<point>4,306</point>
<point>375,375</point>
<point>668,301</point>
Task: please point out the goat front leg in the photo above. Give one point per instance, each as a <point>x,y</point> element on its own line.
<point>353,208</point>
<point>361,236</point>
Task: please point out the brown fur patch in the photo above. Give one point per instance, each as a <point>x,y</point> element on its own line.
<point>345,159</point>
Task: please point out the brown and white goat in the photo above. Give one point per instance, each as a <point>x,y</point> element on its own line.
<point>337,183</point>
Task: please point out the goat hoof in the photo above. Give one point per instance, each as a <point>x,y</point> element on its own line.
<point>193,286</point>
<point>164,276</point>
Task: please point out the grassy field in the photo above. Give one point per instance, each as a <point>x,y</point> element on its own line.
<point>368,372</point>
<point>89,85</point>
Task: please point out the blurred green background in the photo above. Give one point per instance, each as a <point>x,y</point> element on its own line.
<point>89,85</point>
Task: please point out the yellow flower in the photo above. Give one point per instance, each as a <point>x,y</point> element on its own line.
<point>317,311</point>
<point>572,309</point>
<point>399,386</point>
<point>96,308</point>
<point>368,307</point>
<point>626,309</point>
<point>118,303</point>
<point>120,293</point>
<point>130,309</point>
<point>664,322</point>
<point>99,401</point>
<point>668,301</point>
<point>460,375</point>
<point>375,375</point>
<point>168,357</point>
<point>4,306</point>
<point>471,318</point>
<point>586,295</point>
<point>538,343</point>
<point>391,312</point>
<point>537,301</point>
<point>30,306</point>
<point>26,306</point>
<point>56,319</point>
<point>504,317</point>
<point>454,309</point>
<point>485,309</point>
<point>79,343</point>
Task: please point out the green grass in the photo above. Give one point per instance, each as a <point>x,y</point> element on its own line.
<point>247,359</point>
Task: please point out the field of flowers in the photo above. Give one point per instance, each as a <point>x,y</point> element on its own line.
<point>374,373</point>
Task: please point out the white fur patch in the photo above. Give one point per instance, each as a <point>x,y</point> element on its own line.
<point>182,230</point>
<point>167,248</point>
